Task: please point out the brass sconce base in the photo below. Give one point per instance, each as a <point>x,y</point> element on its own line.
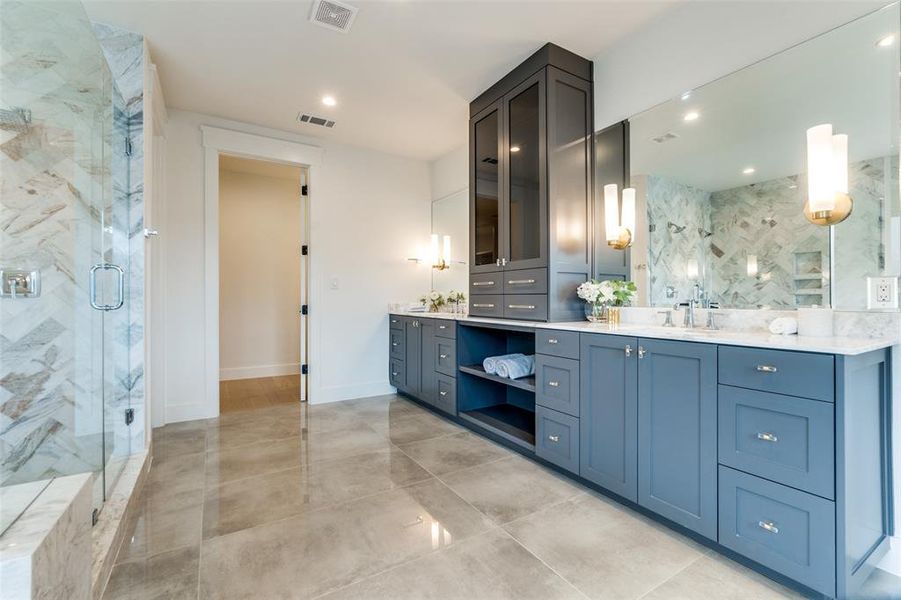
<point>843,208</point>
<point>623,241</point>
<point>441,266</point>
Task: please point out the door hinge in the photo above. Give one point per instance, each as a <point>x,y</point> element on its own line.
<point>305,309</point>
<point>128,147</point>
<point>95,516</point>
<point>304,190</point>
<point>304,250</point>
<point>304,369</point>
<point>129,416</point>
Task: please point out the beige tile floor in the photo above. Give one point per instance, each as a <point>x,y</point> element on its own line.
<point>378,498</point>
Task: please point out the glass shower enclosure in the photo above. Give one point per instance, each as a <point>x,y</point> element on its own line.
<point>66,242</point>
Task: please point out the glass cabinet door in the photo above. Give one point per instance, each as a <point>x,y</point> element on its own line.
<point>485,145</point>
<point>525,175</point>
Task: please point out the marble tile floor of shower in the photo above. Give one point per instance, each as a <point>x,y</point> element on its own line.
<point>379,498</point>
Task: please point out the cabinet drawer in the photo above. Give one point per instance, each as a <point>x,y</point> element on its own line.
<point>446,328</point>
<point>527,307</point>
<point>557,383</point>
<point>557,343</point>
<point>397,343</point>
<point>486,306</point>
<point>557,438</point>
<point>486,283</point>
<point>395,322</point>
<point>397,373</point>
<point>786,530</point>
<point>792,373</point>
<point>527,281</point>
<point>446,356</point>
<point>788,440</point>
<point>446,398</point>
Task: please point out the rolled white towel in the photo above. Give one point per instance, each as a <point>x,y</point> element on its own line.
<point>784,326</point>
<point>490,363</point>
<point>516,366</point>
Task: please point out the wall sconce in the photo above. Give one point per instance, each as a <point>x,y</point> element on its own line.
<point>619,233</point>
<point>440,260</point>
<point>752,265</point>
<point>828,202</point>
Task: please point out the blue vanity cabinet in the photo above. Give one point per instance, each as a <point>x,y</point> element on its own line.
<point>677,450</point>
<point>428,379</point>
<point>423,360</point>
<point>413,355</point>
<point>608,412</point>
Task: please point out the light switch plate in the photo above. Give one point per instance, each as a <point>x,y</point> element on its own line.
<point>882,292</point>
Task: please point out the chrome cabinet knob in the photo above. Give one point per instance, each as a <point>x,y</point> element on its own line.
<point>554,383</point>
<point>552,341</point>
<point>628,350</point>
<point>554,438</point>
<point>442,356</point>
<point>443,393</point>
<point>642,352</point>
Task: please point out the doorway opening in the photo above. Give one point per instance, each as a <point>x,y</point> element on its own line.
<point>262,283</point>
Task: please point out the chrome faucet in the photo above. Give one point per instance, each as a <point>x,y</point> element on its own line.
<point>689,320</point>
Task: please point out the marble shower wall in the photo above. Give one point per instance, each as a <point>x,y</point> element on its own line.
<point>56,183</point>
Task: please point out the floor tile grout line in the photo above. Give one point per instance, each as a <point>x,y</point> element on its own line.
<point>550,568</point>
<point>674,575</point>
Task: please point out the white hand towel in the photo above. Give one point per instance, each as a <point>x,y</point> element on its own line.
<point>784,326</point>
<point>490,363</point>
<point>516,366</point>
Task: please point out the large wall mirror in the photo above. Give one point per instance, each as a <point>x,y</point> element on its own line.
<point>450,217</point>
<point>720,175</point>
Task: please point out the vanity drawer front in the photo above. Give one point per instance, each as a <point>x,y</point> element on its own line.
<point>397,342</point>
<point>788,440</point>
<point>792,373</point>
<point>486,306</point>
<point>446,356</point>
<point>557,383</point>
<point>527,281</point>
<point>528,307</point>
<point>446,328</point>
<point>397,373</point>
<point>395,322</point>
<point>786,530</point>
<point>446,398</point>
<point>557,343</point>
<point>557,438</point>
<point>486,283</point>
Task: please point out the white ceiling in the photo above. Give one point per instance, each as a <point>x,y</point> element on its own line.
<point>403,76</point>
<point>758,117</point>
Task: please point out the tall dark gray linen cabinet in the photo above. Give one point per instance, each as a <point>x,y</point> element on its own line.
<point>531,181</point>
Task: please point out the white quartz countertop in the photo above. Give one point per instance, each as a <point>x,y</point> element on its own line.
<point>756,339</point>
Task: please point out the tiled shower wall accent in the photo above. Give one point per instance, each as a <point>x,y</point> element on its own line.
<point>678,228</point>
<point>124,53</point>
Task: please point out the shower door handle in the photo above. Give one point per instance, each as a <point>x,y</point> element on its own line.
<point>120,276</point>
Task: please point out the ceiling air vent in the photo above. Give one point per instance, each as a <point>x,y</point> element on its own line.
<point>666,137</point>
<point>333,15</point>
<point>314,120</point>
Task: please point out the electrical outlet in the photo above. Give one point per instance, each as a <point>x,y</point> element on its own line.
<point>882,292</point>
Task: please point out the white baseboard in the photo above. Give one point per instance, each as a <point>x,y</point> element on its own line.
<point>258,371</point>
<point>336,393</point>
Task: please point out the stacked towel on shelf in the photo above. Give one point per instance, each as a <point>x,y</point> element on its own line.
<point>516,366</point>
<point>490,363</point>
<point>784,326</point>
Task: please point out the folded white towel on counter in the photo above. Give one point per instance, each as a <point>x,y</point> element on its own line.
<point>784,326</point>
<point>490,363</point>
<point>516,366</point>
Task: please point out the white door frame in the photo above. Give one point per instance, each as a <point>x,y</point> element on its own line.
<point>218,141</point>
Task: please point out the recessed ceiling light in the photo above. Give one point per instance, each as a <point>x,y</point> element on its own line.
<point>748,170</point>
<point>514,148</point>
<point>686,95</point>
<point>886,41</point>
<point>691,116</point>
<point>329,100</point>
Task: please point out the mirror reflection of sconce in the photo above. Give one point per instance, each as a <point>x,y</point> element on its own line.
<point>753,269</point>
<point>439,253</point>
<point>692,269</point>
<point>619,232</point>
<point>828,201</point>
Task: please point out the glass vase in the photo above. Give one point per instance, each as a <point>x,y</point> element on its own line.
<point>614,315</point>
<point>596,312</point>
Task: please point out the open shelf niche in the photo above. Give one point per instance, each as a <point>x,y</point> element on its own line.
<point>503,406</point>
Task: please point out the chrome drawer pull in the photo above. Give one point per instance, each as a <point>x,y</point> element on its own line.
<point>766,369</point>
<point>483,306</point>
<point>552,341</point>
<point>767,437</point>
<point>554,383</point>
<point>394,374</point>
<point>554,438</point>
<point>522,306</point>
<point>442,327</point>
<point>520,281</point>
<point>394,344</point>
<point>443,393</point>
<point>442,356</point>
<point>768,526</point>
<point>641,352</point>
<point>481,283</point>
<point>628,350</point>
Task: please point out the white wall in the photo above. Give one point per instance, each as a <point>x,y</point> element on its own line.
<point>368,212</point>
<point>259,268</point>
<point>697,42</point>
